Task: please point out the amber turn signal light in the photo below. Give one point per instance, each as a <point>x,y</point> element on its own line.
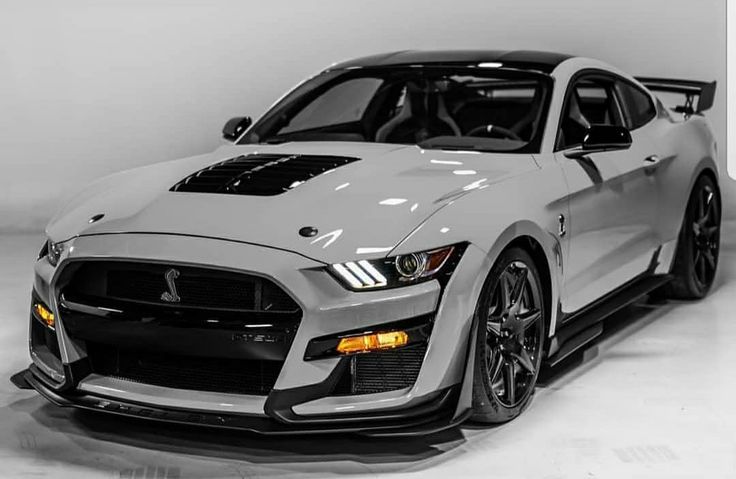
<point>372,342</point>
<point>44,314</point>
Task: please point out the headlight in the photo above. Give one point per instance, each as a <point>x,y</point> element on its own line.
<point>53,252</point>
<point>401,270</point>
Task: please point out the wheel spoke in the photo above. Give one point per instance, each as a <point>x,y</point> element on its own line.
<point>509,381</point>
<point>708,254</point>
<point>493,323</point>
<point>518,290</point>
<point>710,214</point>
<point>496,367</point>
<point>696,228</point>
<point>490,357</point>
<point>710,231</point>
<point>705,218</point>
<point>505,289</point>
<point>701,269</point>
<point>494,327</point>
<point>701,204</point>
<point>527,318</point>
<point>524,359</point>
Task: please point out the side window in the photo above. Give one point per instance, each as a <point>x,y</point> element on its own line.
<point>638,106</point>
<point>591,100</point>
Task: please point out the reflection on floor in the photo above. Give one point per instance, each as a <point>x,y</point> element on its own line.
<point>653,398</point>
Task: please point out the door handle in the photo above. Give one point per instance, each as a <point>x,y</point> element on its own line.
<point>651,164</point>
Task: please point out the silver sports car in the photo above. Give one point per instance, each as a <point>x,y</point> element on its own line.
<point>399,244</point>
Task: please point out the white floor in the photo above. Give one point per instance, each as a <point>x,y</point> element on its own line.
<point>653,399</point>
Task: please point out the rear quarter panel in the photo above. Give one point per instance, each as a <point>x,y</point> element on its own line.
<point>686,149</point>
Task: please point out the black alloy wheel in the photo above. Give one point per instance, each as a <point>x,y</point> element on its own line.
<point>510,338</point>
<point>696,261</point>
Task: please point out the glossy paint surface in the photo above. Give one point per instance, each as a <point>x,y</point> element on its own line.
<point>613,203</point>
<point>360,210</point>
<point>617,211</point>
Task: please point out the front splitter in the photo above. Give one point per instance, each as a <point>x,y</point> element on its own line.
<point>428,418</point>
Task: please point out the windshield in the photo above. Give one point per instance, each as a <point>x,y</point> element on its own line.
<point>467,108</point>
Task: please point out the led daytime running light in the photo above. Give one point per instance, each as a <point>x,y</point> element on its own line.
<point>360,275</point>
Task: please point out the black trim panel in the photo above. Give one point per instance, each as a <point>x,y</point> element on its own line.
<point>581,327</point>
<point>19,380</point>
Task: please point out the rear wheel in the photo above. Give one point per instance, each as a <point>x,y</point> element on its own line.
<point>510,338</point>
<point>698,245</point>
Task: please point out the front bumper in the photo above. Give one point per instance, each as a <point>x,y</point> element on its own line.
<point>300,399</point>
<point>428,418</point>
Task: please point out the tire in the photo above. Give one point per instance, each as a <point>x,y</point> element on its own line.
<point>511,326</point>
<point>698,245</point>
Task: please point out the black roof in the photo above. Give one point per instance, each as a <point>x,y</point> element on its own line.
<point>521,59</point>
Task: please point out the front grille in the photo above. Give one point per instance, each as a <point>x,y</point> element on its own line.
<point>259,174</point>
<point>195,287</point>
<point>235,376</point>
<point>381,372</point>
<point>224,332</point>
<point>206,292</point>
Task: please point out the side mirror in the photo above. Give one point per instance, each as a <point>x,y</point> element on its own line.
<point>235,127</point>
<point>601,138</point>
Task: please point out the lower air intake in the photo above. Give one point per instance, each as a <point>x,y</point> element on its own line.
<point>382,371</point>
<point>236,376</point>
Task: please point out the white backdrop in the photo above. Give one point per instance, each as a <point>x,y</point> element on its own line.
<point>92,87</point>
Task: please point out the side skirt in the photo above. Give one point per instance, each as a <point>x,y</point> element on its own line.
<point>581,327</point>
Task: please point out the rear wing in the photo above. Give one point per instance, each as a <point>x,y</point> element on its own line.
<point>705,92</point>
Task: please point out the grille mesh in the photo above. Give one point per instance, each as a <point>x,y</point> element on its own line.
<point>197,287</point>
<point>236,376</point>
<point>194,290</point>
<point>41,336</point>
<point>380,372</point>
<point>259,174</point>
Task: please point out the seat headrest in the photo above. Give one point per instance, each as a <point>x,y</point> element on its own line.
<point>575,113</point>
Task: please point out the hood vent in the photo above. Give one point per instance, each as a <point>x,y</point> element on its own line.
<point>259,174</point>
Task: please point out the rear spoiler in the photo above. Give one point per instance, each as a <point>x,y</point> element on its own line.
<point>705,92</point>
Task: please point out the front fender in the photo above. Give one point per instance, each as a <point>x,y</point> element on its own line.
<point>526,206</point>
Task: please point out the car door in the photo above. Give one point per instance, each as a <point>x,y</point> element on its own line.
<point>612,203</point>
<point>644,119</point>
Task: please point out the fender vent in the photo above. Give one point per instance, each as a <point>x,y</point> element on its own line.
<point>259,174</point>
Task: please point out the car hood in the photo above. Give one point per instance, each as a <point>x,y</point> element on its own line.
<point>360,210</point>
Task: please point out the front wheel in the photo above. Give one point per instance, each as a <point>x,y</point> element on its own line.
<point>510,338</point>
